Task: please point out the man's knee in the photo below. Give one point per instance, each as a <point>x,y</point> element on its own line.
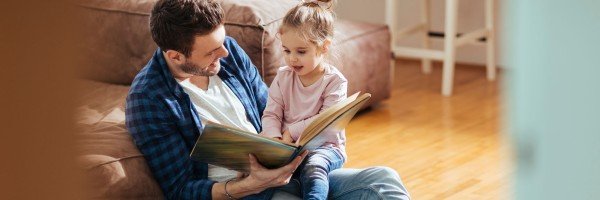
<point>380,174</point>
<point>382,182</point>
<point>386,182</point>
<point>387,172</point>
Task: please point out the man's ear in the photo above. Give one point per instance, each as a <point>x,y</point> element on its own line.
<point>175,57</point>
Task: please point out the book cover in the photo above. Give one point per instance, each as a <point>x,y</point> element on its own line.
<point>229,147</point>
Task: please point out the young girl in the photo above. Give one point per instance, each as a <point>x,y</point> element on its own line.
<point>304,88</point>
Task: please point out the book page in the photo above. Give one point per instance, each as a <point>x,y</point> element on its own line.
<point>343,111</point>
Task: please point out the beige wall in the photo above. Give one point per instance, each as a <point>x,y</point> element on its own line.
<point>470,17</point>
<point>372,11</point>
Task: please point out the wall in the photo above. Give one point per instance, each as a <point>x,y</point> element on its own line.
<point>470,17</point>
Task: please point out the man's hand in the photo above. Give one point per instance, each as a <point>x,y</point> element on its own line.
<point>261,178</point>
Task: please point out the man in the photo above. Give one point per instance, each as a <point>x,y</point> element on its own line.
<point>199,74</point>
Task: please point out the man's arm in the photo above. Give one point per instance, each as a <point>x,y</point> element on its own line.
<point>157,137</point>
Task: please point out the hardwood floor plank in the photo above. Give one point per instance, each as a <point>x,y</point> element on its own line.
<point>443,147</point>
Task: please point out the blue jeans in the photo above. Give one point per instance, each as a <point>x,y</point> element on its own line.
<point>351,184</point>
<point>354,184</point>
<point>314,171</point>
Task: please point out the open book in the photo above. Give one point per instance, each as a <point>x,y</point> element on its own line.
<point>229,147</point>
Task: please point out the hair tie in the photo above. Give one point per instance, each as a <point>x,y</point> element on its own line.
<point>324,5</point>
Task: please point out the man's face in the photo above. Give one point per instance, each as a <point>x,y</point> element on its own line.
<point>206,53</point>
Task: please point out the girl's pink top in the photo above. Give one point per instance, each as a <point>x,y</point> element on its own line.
<point>293,106</point>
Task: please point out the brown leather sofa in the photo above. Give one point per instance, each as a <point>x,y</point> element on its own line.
<point>118,44</point>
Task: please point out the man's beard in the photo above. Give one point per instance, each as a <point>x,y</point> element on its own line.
<point>196,70</point>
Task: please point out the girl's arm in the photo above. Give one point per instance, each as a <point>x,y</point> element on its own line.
<point>334,93</point>
<point>273,115</point>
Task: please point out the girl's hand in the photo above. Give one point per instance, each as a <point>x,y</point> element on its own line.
<point>286,137</point>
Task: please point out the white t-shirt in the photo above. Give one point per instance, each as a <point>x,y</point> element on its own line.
<point>218,104</point>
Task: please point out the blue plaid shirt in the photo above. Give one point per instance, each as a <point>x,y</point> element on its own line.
<point>164,123</point>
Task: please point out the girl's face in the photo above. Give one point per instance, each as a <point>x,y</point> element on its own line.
<point>302,56</point>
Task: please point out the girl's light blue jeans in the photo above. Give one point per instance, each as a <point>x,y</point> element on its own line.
<point>313,173</point>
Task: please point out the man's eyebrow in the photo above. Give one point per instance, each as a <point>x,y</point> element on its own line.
<point>213,50</point>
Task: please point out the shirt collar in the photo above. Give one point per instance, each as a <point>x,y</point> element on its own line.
<point>224,72</point>
<point>172,84</point>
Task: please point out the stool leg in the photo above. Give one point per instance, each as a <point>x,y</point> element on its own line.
<point>390,19</point>
<point>426,63</point>
<point>449,47</point>
<point>490,40</point>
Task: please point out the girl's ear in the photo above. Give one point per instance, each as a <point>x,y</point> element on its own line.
<point>325,46</point>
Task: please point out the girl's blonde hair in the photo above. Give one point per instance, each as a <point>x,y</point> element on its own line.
<point>312,20</point>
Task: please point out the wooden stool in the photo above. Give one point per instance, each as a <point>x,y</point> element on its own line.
<point>451,41</point>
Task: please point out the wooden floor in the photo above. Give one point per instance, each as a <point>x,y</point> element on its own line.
<point>442,147</point>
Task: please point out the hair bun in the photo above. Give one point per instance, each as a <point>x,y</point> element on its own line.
<point>325,4</point>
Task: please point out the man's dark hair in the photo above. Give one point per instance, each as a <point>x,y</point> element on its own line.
<point>175,23</point>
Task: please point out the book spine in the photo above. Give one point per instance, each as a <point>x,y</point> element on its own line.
<point>296,153</point>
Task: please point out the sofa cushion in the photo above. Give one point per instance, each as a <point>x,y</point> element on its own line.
<point>114,166</point>
<point>365,59</point>
<point>119,44</point>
